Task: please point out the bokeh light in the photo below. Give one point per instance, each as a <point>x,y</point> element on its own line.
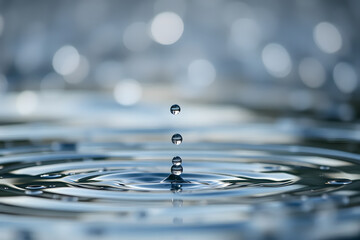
<point>327,37</point>
<point>26,102</point>
<point>167,28</point>
<point>201,72</point>
<point>276,60</point>
<point>80,73</point>
<point>312,72</point>
<point>128,92</point>
<point>345,77</point>
<point>66,60</point>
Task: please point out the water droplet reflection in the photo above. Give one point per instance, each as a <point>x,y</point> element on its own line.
<point>177,161</point>
<point>177,139</point>
<point>175,109</point>
<point>177,170</point>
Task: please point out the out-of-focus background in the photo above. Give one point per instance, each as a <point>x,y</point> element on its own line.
<point>278,57</point>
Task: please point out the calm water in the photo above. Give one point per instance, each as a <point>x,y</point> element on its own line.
<point>230,188</point>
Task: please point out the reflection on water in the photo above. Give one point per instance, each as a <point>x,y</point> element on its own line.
<point>228,190</point>
<point>241,178</point>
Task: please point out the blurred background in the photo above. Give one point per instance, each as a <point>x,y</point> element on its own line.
<point>278,57</point>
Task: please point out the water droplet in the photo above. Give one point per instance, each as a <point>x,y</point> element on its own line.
<point>176,170</point>
<point>175,109</point>
<point>324,167</point>
<point>177,161</point>
<point>339,182</point>
<point>177,139</point>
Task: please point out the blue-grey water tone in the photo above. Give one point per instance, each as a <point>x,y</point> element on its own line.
<point>237,179</point>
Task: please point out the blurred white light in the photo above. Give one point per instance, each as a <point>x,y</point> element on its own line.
<point>312,72</point>
<point>108,73</point>
<point>327,37</point>
<point>277,60</point>
<point>128,92</point>
<point>66,60</point>
<point>80,73</point>
<point>167,28</point>
<point>135,37</point>
<point>3,84</point>
<point>52,81</point>
<point>26,102</point>
<point>345,77</point>
<point>201,72</point>
<point>1,24</point>
<point>245,34</point>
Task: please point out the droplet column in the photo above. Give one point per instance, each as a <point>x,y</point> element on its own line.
<point>177,139</point>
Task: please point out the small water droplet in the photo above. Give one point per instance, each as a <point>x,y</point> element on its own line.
<point>324,167</point>
<point>339,182</point>
<point>177,139</point>
<point>177,161</point>
<point>175,109</point>
<point>176,170</point>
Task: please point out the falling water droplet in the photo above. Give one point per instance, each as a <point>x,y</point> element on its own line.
<point>177,161</point>
<point>177,139</point>
<point>175,109</point>
<point>177,170</point>
<point>339,182</point>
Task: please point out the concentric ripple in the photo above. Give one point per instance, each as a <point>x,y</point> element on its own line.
<point>224,184</point>
<point>238,173</point>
